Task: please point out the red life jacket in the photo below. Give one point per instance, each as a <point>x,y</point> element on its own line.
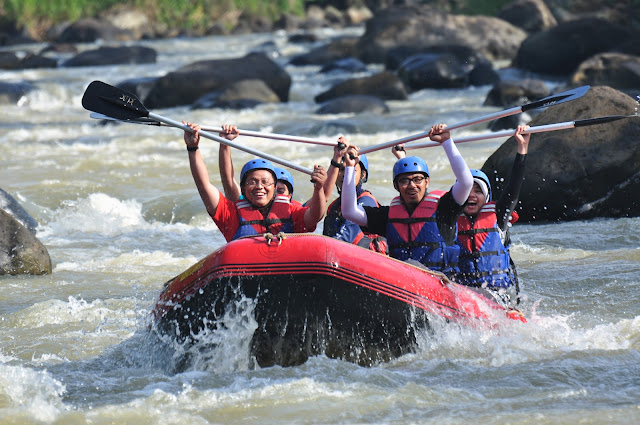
<point>484,259</point>
<point>253,223</point>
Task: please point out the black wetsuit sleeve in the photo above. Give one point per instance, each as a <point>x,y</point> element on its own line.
<point>377,219</point>
<point>447,216</point>
<point>509,199</point>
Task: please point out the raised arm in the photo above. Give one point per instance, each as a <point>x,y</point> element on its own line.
<point>509,199</point>
<point>227,176</point>
<point>209,194</point>
<point>349,202</point>
<point>336,164</point>
<point>318,202</point>
<point>464,180</point>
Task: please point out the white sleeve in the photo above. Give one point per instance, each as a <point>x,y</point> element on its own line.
<point>464,180</point>
<point>349,201</point>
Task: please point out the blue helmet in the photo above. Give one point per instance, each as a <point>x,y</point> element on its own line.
<point>410,164</point>
<point>257,164</point>
<point>285,176</point>
<point>479,175</point>
<point>364,164</point>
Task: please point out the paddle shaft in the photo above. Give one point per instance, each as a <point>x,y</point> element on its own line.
<point>204,127</point>
<point>547,101</point>
<point>227,142</point>
<point>537,129</point>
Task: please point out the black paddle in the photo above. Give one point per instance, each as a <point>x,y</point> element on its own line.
<point>122,105</point>
<point>542,103</point>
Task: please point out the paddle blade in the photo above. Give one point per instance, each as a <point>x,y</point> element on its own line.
<point>557,98</point>
<point>113,102</point>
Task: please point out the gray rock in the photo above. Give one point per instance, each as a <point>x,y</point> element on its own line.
<point>20,251</point>
<point>354,104</point>
<point>385,86</point>
<point>11,93</point>
<point>9,204</point>
<point>424,26</point>
<point>239,95</point>
<point>579,173</point>
<point>530,15</point>
<point>185,85</point>
<point>560,50</point>
<point>113,56</point>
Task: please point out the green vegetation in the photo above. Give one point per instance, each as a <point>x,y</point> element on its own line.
<point>193,14</point>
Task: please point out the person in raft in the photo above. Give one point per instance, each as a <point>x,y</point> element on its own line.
<point>284,183</point>
<point>262,210</point>
<point>483,231</point>
<point>335,225</point>
<point>420,226</point>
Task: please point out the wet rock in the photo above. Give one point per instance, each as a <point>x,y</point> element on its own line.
<point>345,65</point>
<point>341,48</point>
<point>424,26</point>
<point>9,204</point>
<point>354,104</point>
<point>560,50</point>
<point>239,95</point>
<point>483,74</point>
<point>20,251</point>
<point>615,70</point>
<point>530,15</point>
<point>465,55</point>
<point>511,93</point>
<point>385,86</point>
<point>579,173</point>
<point>439,71</point>
<point>89,30</point>
<point>11,93</point>
<point>138,86</point>
<point>113,56</point>
<point>185,85</point>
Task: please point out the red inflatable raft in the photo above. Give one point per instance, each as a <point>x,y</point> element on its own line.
<point>317,295</point>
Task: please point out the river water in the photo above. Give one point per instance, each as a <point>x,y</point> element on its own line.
<point>120,215</point>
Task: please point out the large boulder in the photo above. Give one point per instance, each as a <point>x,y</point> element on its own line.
<point>240,95</point>
<point>353,104</point>
<point>9,204</point>
<point>340,48</point>
<point>11,93</point>
<point>114,55</point>
<point>424,26</point>
<point>615,70</point>
<point>20,251</point>
<point>438,71</point>
<point>559,50</point>
<point>89,30</point>
<point>530,15</point>
<point>579,173</point>
<point>185,85</point>
<point>386,86</point>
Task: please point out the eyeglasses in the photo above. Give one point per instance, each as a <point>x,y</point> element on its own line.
<point>251,183</point>
<point>417,180</point>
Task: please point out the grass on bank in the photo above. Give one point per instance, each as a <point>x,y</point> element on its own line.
<point>194,14</point>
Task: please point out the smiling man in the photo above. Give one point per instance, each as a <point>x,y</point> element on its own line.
<point>261,210</point>
<point>419,225</point>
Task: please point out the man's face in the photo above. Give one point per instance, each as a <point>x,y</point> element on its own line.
<point>259,187</point>
<point>412,187</point>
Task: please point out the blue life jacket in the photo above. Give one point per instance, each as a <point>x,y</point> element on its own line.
<point>484,259</point>
<point>417,236</point>
<point>338,227</point>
